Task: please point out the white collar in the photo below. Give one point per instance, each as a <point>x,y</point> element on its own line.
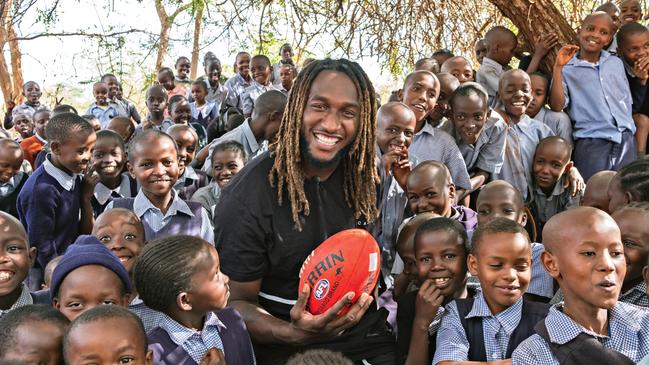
<point>103,193</point>
<point>66,181</point>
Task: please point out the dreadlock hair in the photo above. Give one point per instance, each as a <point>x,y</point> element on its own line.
<point>319,356</point>
<point>634,179</point>
<point>359,165</point>
<point>37,314</point>
<point>165,269</point>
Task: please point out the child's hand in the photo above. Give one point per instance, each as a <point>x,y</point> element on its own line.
<point>401,169</point>
<point>545,43</point>
<point>429,298</point>
<point>213,356</point>
<point>565,54</point>
<point>641,69</point>
<point>90,180</point>
<point>574,182</point>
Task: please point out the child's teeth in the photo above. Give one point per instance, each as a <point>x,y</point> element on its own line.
<point>441,281</point>
<point>6,275</point>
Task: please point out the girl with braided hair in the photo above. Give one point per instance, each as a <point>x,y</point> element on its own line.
<point>319,178</point>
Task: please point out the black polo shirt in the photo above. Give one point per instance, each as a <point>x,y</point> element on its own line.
<point>257,239</point>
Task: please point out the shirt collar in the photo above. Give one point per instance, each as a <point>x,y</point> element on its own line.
<point>640,288</point>
<point>40,138</point>
<point>103,193</point>
<point>24,299</point>
<point>427,128</point>
<point>179,334</point>
<point>14,180</point>
<point>508,319</point>
<point>576,61</point>
<point>66,181</point>
<point>556,191</point>
<point>142,204</point>
<point>541,114</point>
<point>188,174</point>
<point>247,133</point>
<point>489,62</point>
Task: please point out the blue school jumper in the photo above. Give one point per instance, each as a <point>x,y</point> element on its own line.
<point>98,207</point>
<point>237,346</point>
<point>180,224</point>
<point>531,314</point>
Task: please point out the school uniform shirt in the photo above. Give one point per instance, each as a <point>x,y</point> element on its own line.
<point>31,146</point>
<point>103,194</point>
<point>217,95</point>
<point>544,206</point>
<point>541,283</point>
<point>149,317</point>
<point>452,343</point>
<point>156,221</point>
<point>597,98</point>
<point>640,104</point>
<point>559,122</point>
<point>205,114</point>
<point>236,85</point>
<point>488,75</point>
<point>208,197</point>
<point>189,182</point>
<point>29,109</point>
<point>49,208</point>
<point>488,152</point>
<point>195,343</point>
<point>251,93</point>
<point>7,188</point>
<point>628,333</point>
<point>166,123</point>
<point>242,134</point>
<point>522,139</point>
<point>636,295</point>
<point>104,113</point>
<point>432,144</point>
<point>24,299</point>
<point>130,111</point>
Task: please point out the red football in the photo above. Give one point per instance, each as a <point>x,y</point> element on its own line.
<point>348,261</point>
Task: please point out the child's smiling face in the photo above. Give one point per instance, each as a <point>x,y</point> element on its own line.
<point>469,114</point>
<point>515,92</point>
<point>260,71</point>
<point>32,92</point>
<point>108,158</point>
<point>630,11</point>
<point>121,235</point>
<point>155,165</point>
<point>420,93</point>
<point>441,257</point>
<point>595,33</point>
<point>16,257</point>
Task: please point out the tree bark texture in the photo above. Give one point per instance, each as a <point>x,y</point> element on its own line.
<point>198,21</point>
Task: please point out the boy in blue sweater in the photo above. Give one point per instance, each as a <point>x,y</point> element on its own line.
<point>49,203</point>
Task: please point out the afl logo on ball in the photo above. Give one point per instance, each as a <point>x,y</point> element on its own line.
<point>321,289</point>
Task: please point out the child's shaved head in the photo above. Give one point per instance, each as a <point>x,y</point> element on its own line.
<point>393,109</point>
<point>566,228</point>
<point>559,143</point>
<point>599,15</point>
<point>427,64</point>
<point>500,35</point>
<point>144,139</point>
<point>596,193</point>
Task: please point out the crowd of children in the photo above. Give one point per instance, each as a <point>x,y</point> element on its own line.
<point>510,207</point>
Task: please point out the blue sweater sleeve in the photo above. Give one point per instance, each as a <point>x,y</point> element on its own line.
<point>40,220</point>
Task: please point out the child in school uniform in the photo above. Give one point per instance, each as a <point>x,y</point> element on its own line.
<point>629,185</point>
<point>180,276</point>
<point>559,122</point>
<point>499,199</point>
<point>440,246</point>
<point>240,81</point>
<point>584,253</point>
<point>287,73</point>
<point>32,93</point>
<point>216,93</point>
<point>439,117</point>
<point>586,80</point>
<point>23,126</point>
<point>459,67</point>
<point>480,132</point>
<point>101,108</point>
<point>156,104</point>
<point>12,179</point>
<point>49,203</point>
<point>500,43</point>
<point>108,160</point>
<point>19,257</point>
<point>548,194</point>
<point>31,146</point>
<point>182,72</point>
<point>122,232</point>
<point>109,335</point>
<point>632,221</point>
<point>153,160</point>
<point>228,158</point>
<point>431,189</point>
<point>491,325</point>
<point>523,133</point>
<point>203,111</point>
<point>189,180</point>
<point>261,70</point>
<point>633,40</point>
<point>32,334</point>
<point>180,113</point>
<point>420,91</point>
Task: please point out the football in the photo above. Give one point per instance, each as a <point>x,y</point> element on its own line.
<point>348,261</point>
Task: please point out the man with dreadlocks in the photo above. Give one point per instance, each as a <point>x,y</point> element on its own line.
<point>318,179</point>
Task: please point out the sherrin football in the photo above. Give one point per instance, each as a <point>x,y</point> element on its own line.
<point>348,261</point>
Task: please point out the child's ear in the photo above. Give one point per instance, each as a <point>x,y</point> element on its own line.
<point>523,221</point>
<point>149,358</point>
<point>56,304</point>
<point>32,256</point>
<point>627,198</point>
<point>400,95</point>
<point>182,300</point>
<point>550,264</point>
<point>451,191</point>
<point>129,167</point>
<point>472,264</point>
<point>569,166</point>
<point>55,147</point>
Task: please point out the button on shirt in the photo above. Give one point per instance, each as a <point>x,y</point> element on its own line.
<point>432,144</point>
<point>628,328</point>
<point>597,98</point>
<point>24,299</point>
<point>9,187</point>
<point>196,343</point>
<point>452,343</point>
<point>488,152</point>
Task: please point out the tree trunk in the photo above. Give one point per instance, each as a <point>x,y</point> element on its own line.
<point>534,18</point>
<point>163,44</point>
<point>198,20</point>
<point>5,78</point>
<point>16,65</point>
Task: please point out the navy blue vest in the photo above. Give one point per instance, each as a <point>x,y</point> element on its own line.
<point>532,313</point>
